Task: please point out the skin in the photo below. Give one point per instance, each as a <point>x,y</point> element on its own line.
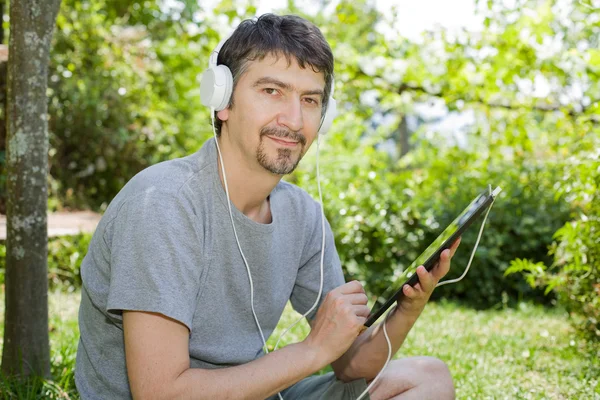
<point>274,120</point>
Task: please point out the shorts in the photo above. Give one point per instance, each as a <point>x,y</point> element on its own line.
<point>324,387</point>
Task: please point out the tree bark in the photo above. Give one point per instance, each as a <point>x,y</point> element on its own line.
<point>3,65</point>
<point>404,136</point>
<point>26,346</point>
<point>3,73</point>
<point>2,5</point>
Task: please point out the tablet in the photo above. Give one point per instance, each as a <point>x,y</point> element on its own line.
<point>431,255</point>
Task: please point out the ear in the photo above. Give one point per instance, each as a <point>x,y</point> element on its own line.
<point>223,115</point>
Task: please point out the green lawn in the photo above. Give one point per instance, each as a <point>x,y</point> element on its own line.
<point>527,353</point>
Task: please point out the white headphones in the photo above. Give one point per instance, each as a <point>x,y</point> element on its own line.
<point>217,84</point>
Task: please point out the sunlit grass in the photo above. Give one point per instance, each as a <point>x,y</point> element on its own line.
<point>525,353</point>
<point>64,333</point>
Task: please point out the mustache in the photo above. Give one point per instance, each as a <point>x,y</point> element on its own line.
<point>283,134</point>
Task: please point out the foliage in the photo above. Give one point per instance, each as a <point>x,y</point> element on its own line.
<point>521,222</point>
<point>383,216</point>
<point>65,255</point>
<point>124,89</point>
<point>574,273</point>
<point>123,95</point>
<point>64,260</point>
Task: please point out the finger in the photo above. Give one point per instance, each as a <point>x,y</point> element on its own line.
<point>409,291</point>
<point>358,298</point>
<point>352,287</point>
<point>362,311</point>
<point>417,287</point>
<point>443,266</point>
<point>455,246</point>
<point>426,279</point>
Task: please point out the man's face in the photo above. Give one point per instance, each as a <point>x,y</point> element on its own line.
<point>276,113</point>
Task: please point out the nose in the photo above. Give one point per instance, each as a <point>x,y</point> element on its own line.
<point>291,115</point>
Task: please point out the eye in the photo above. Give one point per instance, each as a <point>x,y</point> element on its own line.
<point>271,91</point>
<point>311,101</point>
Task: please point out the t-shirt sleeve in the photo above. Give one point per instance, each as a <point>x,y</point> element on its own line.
<point>308,279</point>
<point>154,258</point>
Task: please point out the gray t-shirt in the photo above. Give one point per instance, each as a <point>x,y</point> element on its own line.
<point>165,244</point>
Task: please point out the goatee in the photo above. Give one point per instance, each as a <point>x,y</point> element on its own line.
<point>285,162</point>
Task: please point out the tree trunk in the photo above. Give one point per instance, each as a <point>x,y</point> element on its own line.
<point>404,136</point>
<point>3,67</point>
<point>26,346</point>
<point>3,60</point>
<point>2,5</point>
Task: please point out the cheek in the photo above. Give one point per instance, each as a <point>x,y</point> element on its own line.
<point>312,123</point>
<point>258,112</point>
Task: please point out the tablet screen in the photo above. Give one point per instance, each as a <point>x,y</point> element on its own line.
<point>431,255</point>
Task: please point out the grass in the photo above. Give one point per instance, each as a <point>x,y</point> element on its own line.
<point>64,334</point>
<point>524,353</point>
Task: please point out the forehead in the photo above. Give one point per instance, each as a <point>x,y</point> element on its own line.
<point>288,71</point>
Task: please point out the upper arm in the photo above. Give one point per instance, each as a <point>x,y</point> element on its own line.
<point>155,258</point>
<point>156,352</point>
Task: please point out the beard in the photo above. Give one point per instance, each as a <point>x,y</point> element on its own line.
<point>286,160</point>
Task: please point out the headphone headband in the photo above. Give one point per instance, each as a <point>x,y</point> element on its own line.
<point>214,55</point>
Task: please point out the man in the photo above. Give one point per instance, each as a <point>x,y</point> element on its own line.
<point>166,310</point>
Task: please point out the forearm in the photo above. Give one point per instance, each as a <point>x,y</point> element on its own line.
<point>258,379</point>
<point>367,355</point>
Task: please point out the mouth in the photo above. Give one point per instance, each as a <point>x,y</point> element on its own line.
<point>283,142</point>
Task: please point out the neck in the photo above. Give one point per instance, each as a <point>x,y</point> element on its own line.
<point>249,183</point>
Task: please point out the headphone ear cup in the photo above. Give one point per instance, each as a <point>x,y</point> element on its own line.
<point>330,114</point>
<point>216,87</point>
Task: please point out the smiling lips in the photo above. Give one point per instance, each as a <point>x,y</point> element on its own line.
<point>283,142</point>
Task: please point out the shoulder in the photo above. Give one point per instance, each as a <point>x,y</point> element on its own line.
<point>170,193</point>
<point>181,179</point>
<point>169,177</point>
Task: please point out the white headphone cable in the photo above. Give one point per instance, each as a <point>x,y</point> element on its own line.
<point>266,350</point>
<point>472,254</point>
<point>322,251</point>
<point>387,338</point>
<point>322,232</point>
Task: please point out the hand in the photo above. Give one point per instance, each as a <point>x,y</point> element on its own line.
<point>339,321</point>
<point>416,297</point>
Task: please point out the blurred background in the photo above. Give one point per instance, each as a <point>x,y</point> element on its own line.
<point>436,99</point>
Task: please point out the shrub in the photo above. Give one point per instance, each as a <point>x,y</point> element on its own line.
<point>65,254</point>
<point>522,220</point>
<point>123,95</point>
<point>574,273</point>
<point>384,214</point>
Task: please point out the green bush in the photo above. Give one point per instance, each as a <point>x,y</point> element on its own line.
<point>65,254</point>
<point>522,220</point>
<point>384,214</point>
<point>574,274</point>
<point>123,95</point>
<point>378,226</point>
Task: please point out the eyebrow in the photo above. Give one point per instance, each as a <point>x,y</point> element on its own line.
<point>286,86</point>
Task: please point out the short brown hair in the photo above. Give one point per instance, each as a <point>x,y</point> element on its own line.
<point>288,36</point>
